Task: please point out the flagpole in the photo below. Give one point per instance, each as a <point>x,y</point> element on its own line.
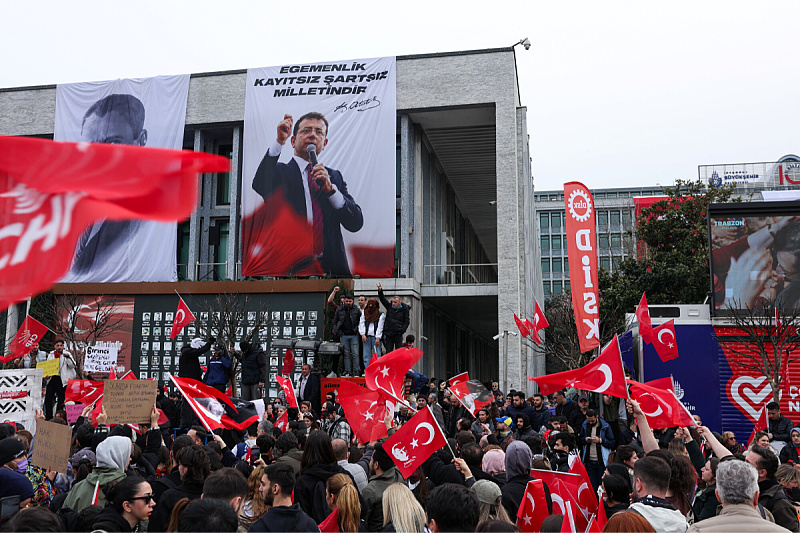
<point>430,412</point>
<point>186,399</point>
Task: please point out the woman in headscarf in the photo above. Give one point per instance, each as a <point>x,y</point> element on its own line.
<point>371,329</point>
<point>113,455</point>
<point>494,463</point>
<point>789,453</point>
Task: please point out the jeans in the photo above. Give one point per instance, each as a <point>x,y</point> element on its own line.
<point>595,469</point>
<point>54,394</point>
<point>350,343</point>
<point>392,341</point>
<point>369,350</point>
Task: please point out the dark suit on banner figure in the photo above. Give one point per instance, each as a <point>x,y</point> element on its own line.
<point>314,191</point>
<point>115,119</point>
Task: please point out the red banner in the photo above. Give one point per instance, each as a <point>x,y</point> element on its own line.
<point>582,251</point>
<point>183,316</point>
<point>29,334</point>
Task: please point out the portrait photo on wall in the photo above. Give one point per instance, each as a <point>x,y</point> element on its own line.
<point>319,169</point>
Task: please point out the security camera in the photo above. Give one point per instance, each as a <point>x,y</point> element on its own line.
<point>526,43</point>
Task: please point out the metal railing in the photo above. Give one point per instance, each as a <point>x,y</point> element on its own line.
<point>215,271</point>
<point>470,274</point>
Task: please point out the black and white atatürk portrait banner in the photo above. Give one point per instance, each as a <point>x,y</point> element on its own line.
<point>319,169</point>
<point>146,112</point>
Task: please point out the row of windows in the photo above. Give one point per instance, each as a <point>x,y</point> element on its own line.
<point>555,287</point>
<point>605,241</point>
<point>615,217</point>
<point>561,264</point>
<point>555,197</point>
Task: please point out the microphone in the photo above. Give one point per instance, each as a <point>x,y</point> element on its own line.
<point>311,150</point>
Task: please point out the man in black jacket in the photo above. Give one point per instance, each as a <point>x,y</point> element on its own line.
<point>189,367</point>
<point>282,515</point>
<point>771,492</point>
<point>345,324</point>
<point>308,389</point>
<point>396,322</point>
<point>254,371</point>
<point>780,427</point>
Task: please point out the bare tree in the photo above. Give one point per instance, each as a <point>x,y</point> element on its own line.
<point>227,321</point>
<point>764,345</point>
<point>64,315</point>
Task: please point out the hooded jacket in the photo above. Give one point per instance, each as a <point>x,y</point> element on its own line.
<point>112,460</point>
<point>372,507</point>
<point>189,365</point>
<point>254,364</point>
<point>397,318</point>
<point>518,473</point>
<point>307,489</point>
<point>112,521</point>
<point>664,517</point>
<point>283,518</point>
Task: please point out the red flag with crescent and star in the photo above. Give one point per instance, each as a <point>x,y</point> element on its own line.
<point>364,411</point>
<point>455,380</point>
<point>288,390</point>
<point>388,373</point>
<point>566,489</point>
<point>523,328</point>
<point>414,442</point>
<point>664,341</point>
<point>288,362</point>
<point>282,422</point>
<point>587,499</point>
<point>29,334</point>
<point>659,404</point>
<point>643,316</point>
<point>539,322</point>
<point>183,316</point>
<point>603,375</point>
<point>533,509</point>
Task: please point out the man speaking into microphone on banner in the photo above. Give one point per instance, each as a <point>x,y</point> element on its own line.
<point>312,190</point>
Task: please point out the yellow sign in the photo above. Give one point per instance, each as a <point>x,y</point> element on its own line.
<point>49,368</point>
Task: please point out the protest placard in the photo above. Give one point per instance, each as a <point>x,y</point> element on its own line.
<point>51,447</point>
<point>49,368</point>
<point>129,401</point>
<point>74,410</point>
<point>100,358</point>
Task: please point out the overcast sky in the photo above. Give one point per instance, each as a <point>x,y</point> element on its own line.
<point>618,93</point>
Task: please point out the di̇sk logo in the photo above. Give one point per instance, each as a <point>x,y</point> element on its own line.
<point>749,394</point>
<point>580,206</point>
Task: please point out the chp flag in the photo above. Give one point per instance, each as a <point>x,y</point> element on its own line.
<point>29,334</point>
<point>415,441</point>
<point>582,252</point>
<point>183,316</point>
<point>214,409</point>
<point>603,375</point>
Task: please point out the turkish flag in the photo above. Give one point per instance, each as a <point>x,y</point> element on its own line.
<point>464,376</point>
<point>183,316</point>
<point>762,423</point>
<point>659,404</point>
<point>288,362</point>
<point>282,422</point>
<point>214,409</point>
<point>388,373</point>
<point>29,333</point>
<point>587,499</point>
<point>603,375</point>
<point>51,192</point>
<point>594,527</point>
<point>601,515</point>
<point>664,341</point>
<point>523,329</point>
<point>565,490</point>
<point>645,324</point>
<point>533,509</point>
<point>364,410</point>
<point>83,391</point>
<point>415,441</point>
<point>473,395</point>
<point>539,321</point>
<point>113,373</point>
<point>288,389</point>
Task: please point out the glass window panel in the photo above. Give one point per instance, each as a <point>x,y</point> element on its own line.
<point>556,242</point>
<point>557,287</point>
<point>566,286</point>
<point>605,262</point>
<point>545,265</point>
<point>603,241</point>
<point>546,285</point>
<point>556,264</point>
<point>616,240</point>
<point>602,218</point>
<point>626,217</point>
<point>615,261</point>
<point>545,242</point>
<point>544,220</point>
<point>556,217</point>
<point>614,217</point>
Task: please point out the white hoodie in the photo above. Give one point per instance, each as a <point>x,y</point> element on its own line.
<point>663,520</point>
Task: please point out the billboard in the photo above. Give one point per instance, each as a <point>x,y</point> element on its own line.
<point>319,169</point>
<point>143,112</point>
<point>743,175</point>
<point>755,255</point>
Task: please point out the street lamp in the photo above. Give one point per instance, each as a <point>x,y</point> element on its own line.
<point>504,335</point>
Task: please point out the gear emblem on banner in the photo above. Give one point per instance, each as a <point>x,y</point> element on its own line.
<point>586,204</point>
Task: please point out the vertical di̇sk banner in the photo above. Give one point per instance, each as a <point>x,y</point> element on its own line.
<point>582,251</point>
<point>340,219</point>
<point>145,112</point>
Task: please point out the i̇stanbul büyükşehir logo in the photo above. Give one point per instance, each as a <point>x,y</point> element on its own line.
<point>580,205</point>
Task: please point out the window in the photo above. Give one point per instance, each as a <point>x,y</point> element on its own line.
<point>602,240</point>
<point>556,219</point>
<point>553,197</point>
<point>616,241</point>
<point>546,285</point>
<point>221,251</point>
<point>556,242</point>
<point>545,265</point>
<point>566,266</point>
<point>545,242</point>
<point>616,261</point>
<point>626,217</point>
<point>556,264</point>
<point>544,220</point>
<point>627,241</point>
<point>623,195</point>
<point>612,195</point>
<point>557,287</point>
<point>223,179</point>
<point>566,286</point>
<point>183,251</point>
<point>605,263</point>
<point>602,218</point>
<point>600,195</point>
<point>614,217</point>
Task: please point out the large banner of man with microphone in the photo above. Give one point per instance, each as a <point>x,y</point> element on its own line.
<point>319,169</point>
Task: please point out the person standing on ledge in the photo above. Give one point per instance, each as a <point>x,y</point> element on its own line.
<point>396,322</point>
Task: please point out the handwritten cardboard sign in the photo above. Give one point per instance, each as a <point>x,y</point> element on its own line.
<point>74,411</point>
<point>100,358</point>
<point>129,401</point>
<point>49,368</point>
<point>51,447</point>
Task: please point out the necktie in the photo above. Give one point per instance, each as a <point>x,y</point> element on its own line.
<point>316,212</point>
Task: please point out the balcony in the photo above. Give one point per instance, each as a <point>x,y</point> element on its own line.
<point>472,274</point>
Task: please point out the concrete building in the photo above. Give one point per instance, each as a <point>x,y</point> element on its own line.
<point>466,248</point>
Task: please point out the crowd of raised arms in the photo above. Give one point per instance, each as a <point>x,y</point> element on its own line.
<point>317,476</point>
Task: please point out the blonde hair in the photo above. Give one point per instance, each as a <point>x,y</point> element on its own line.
<point>787,473</point>
<point>493,511</point>
<point>402,509</point>
<point>347,502</point>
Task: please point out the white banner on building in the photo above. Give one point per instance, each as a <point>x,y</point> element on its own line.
<point>346,110</point>
<point>758,175</point>
<point>147,112</point>
<point>21,396</point>
<point>100,358</point>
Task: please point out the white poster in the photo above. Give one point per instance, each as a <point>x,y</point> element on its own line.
<point>100,358</point>
<point>21,396</point>
<point>145,112</point>
<point>336,217</point>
